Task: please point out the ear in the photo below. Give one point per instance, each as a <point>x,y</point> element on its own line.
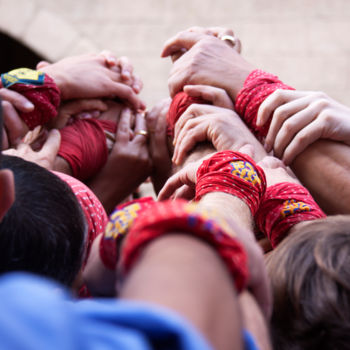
<point>7,191</point>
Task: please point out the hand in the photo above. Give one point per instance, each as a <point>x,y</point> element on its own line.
<point>299,118</point>
<point>276,172</point>
<point>221,126</point>
<point>158,145</point>
<point>88,76</point>
<point>208,61</point>
<point>14,127</point>
<point>198,33</point>
<point>128,164</point>
<point>91,107</point>
<point>123,66</point>
<point>45,157</point>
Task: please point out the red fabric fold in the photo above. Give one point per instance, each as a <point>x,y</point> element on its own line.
<point>118,226</point>
<point>46,99</point>
<point>283,206</point>
<point>83,146</point>
<point>257,87</point>
<point>179,104</point>
<point>234,173</point>
<point>181,216</point>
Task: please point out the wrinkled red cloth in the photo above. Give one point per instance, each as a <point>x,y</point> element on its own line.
<point>95,215</point>
<point>179,104</point>
<point>118,226</point>
<point>283,206</point>
<point>45,97</point>
<point>257,87</point>
<point>181,216</point>
<point>83,146</point>
<point>234,173</point>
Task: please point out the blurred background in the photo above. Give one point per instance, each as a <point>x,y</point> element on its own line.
<point>305,42</point>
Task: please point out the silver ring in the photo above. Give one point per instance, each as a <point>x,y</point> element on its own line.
<point>231,39</point>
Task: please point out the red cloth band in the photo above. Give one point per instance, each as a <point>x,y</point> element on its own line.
<point>234,173</point>
<point>257,87</point>
<point>179,104</point>
<point>42,92</point>
<point>181,216</point>
<point>83,146</point>
<point>283,206</point>
<point>118,226</point>
<point>94,212</point>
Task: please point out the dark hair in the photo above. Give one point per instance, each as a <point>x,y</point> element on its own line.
<point>310,278</point>
<point>44,230</point>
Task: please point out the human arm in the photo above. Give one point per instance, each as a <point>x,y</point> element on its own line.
<point>88,76</point>
<point>299,118</point>
<point>128,164</point>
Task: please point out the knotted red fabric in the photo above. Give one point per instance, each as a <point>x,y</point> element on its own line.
<point>234,173</point>
<point>94,212</point>
<point>118,226</point>
<point>181,216</point>
<point>283,206</point>
<point>83,146</point>
<point>257,87</point>
<point>39,89</point>
<point>178,106</point>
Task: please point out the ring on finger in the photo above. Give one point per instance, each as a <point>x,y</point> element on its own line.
<point>230,39</point>
<point>142,132</point>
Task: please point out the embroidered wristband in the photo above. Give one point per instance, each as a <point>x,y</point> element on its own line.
<point>283,206</point>
<point>39,89</point>
<point>234,173</point>
<point>118,226</point>
<point>181,216</point>
<point>257,87</point>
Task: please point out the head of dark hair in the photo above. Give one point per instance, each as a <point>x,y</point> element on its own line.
<point>44,230</point>
<point>310,278</point>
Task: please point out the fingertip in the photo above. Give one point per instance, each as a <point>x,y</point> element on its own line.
<point>29,106</point>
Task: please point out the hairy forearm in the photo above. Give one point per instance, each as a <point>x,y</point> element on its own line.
<point>186,275</point>
<point>324,168</point>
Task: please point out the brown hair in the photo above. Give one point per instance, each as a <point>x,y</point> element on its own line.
<point>310,275</point>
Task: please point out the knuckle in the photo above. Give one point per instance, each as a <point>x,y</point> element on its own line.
<point>321,103</point>
<point>280,113</point>
<point>320,95</point>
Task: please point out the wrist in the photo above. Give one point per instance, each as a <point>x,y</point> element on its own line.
<point>59,80</point>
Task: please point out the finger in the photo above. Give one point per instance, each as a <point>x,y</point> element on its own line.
<point>280,115</point>
<point>193,111</point>
<point>17,99</point>
<point>270,162</point>
<point>248,150</point>
<point>14,125</point>
<point>140,126</point>
<point>51,145</point>
<point>109,57</point>
<point>182,40</point>
<point>185,192</point>
<point>137,84</point>
<point>220,31</point>
<point>196,132</point>
<point>218,97</point>
<point>124,127</point>
<point>126,68</point>
<point>302,140</point>
<point>276,99</point>
<point>126,93</point>
<point>5,141</point>
<point>42,64</point>
<point>292,126</point>
<point>173,183</point>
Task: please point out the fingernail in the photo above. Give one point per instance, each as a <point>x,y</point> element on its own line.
<point>267,147</point>
<point>28,105</point>
<point>85,115</point>
<point>136,87</point>
<point>95,114</point>
<point>126,74</point>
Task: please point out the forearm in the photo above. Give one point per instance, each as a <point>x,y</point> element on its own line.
<point>186,275</point>
<point>230,207</point>
<point>324,168</point>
